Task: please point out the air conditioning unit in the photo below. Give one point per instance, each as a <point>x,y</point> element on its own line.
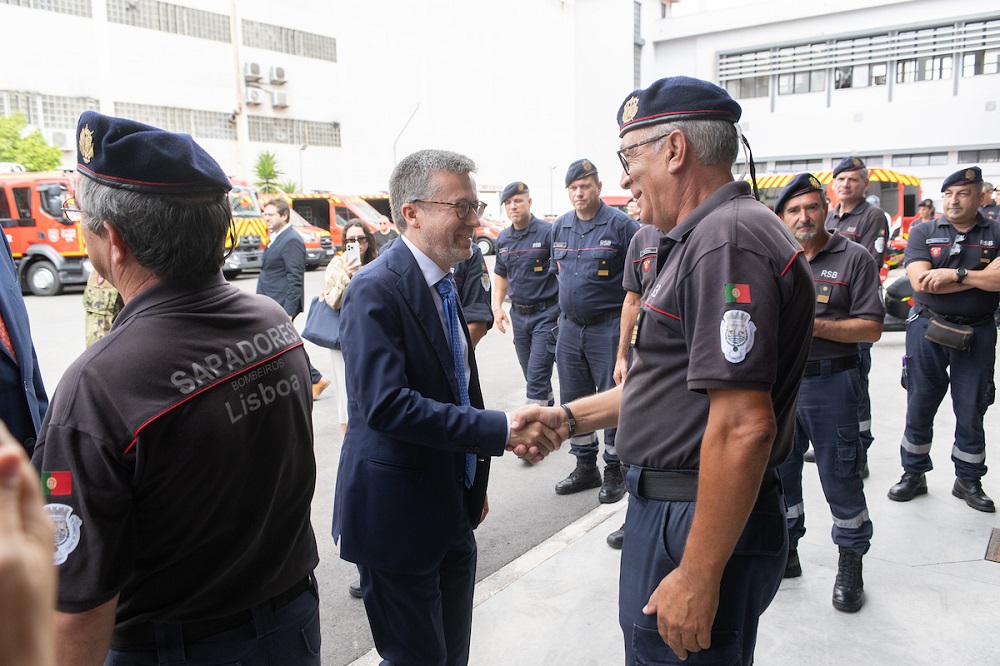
<point>61,139</point>
<point>277,76</point>
<point>279,100</point>
<point>255,96</point>
<point>252,71</point>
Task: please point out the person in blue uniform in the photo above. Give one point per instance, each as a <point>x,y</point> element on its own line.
<point>522,273</point>
<point>866,225</point>
<point>848,311</point>
<point>177,456</point>
<point>707,410</point>
<point>472,279</point>
<point>23,400</point>
<point>588,256</point>
<point>989,207</point>
<point>951,338</point>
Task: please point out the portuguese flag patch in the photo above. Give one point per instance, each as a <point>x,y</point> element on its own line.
<point>737,293</point>
<point>57,483</point>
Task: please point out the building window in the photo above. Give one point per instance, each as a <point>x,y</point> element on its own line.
<point>64,112</point>
<point>812,165</point>
<point>286,130</point>
<point>286,40</point>
<point>920,159</point>
<point>754,86</point>
<point>979,156</point>
<point>981,48</point>
<point>201,124</point>
<point>802,82</point>
<point>933,68</point>
<point>74,7</point>
<point>860,76</point>
<point>166,17</point>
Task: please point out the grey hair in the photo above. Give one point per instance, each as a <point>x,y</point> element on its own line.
<point>715,142</point>
<point>411,179</point>
<point>174,236</point>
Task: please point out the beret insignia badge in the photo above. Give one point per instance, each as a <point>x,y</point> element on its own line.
<point>856,162</point>
<point>86,144</point>
<point>520,187</point>
<point>631,108</point>
<point>970,174</point>
<point>814,182</point>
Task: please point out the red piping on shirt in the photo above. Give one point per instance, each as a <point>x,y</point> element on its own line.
<point>662,312</point>
<point>790,263</point>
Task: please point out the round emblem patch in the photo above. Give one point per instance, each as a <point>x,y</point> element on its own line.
<point>67,528</point>
<point>737,333</point>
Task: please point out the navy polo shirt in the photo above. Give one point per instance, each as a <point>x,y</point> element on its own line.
<point>589,258</point>
<point>523,258</point>
<point>640,267</point>
<point>847,283</point>
<point>866,225</point>
<point>933,241</point>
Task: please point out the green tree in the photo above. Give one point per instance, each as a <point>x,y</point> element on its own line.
<point>267,172</point>
<point>289,186</point>
<point>28,149</point>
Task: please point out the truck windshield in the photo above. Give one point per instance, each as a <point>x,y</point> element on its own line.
<point>243,202</point>
<point>52,197</point>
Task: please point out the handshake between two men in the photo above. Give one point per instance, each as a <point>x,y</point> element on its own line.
<point>536,431</point>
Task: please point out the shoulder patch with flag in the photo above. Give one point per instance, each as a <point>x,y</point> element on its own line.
<point>57,483</point>
<point>737,293</point>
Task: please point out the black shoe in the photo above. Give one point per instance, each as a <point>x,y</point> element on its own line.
<point>615,538</point>
<point>613,488</point>
<point>793,568</point>
<point>809,456</point>
<point>909,486</point>
<point>864,471</point>
<point>972,493</point>
<point>354,589</point>
<point>584,477</point>
<point>849,589</point>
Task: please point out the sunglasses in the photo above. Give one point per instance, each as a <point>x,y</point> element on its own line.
<point>356,239</point>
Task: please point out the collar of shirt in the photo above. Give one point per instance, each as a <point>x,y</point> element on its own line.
<point>732,190</point>
<point>279,232</point>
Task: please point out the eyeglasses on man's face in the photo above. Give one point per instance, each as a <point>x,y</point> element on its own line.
<point>70,210</point>
<point>462,207</point>
<point>623,155</point>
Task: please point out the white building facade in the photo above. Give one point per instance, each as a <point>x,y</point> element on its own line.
<point>910,85</point>
<point>339,90</point>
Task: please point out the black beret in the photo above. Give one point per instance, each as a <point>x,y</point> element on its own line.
<point>801,184</point>
<point>968,176</point>
<point>580,169</point>
<point>128,155</point>
<point>676,98</point>
<point>516,187</point>
<point>926,203</point>
<point>848,164</point>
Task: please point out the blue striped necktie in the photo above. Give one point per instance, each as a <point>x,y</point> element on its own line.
<point>446,289</point>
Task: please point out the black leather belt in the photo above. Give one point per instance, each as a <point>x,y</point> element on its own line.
<point>682,486</point>
<point>534,307</point>
<point>590,321</point>
<point>814,368</point>
<point>142,637</point>
<point>955,319</point>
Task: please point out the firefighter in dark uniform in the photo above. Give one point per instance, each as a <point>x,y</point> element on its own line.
<point>848,311</point>
<point>640,272</point>
<point>472,280</point>
<point>988,202</point>
<point>707,410</point>
<point>588,256</point>
<point>951,338</point>
<point>867,225</point>
<point>177,456</point>
<point>522,272</point>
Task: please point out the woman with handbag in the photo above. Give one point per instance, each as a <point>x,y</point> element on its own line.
<point>339,272</point>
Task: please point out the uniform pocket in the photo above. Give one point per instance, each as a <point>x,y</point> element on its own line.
<point>848,450</point>
<point>650,650</point>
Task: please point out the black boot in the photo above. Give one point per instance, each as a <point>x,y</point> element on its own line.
<point>613,488</point>
<point>616,538</point>
<point>585,476</point>
<point>849,589</point>
<point>793,568</point>
<point>354,589</point>
<point>972,492</point>
<point>911,485</point>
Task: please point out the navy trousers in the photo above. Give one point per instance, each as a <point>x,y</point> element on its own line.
<point>930,369</point>
<point>654,544</point>
<point>585,358</point>
<point>827,417</point>
<point>536,351</point>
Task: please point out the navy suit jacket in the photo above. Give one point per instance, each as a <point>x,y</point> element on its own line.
<point>22,395</point>
<point>400,487</point>
<point>283,271</point>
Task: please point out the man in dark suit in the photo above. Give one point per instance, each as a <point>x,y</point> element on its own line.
<point>22,396</point>
<point>415,463</point>
<point>283,272</point>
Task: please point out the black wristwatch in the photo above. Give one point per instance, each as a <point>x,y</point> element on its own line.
<point>961,273</point>
<point>570,421</point>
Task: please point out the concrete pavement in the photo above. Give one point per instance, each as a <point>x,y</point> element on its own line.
<point>931,598</point>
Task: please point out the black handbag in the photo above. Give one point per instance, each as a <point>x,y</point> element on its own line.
<point>322,324</point>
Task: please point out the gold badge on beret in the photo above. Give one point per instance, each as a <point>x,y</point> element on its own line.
<point>520,187</point>
<point>970,174</point>
<point>631,108</point>
<point>814,182</point>
<point>856,162</point>
<point>587,166</point>
<point>86,144</point>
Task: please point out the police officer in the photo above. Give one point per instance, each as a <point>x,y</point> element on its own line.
<point>640,271</point>
<point>848,311</point>
<point>522,272</point>
<point>177,457</point>
<point>951,338</point>
<point>867,225</point>
<point>988,202</point>
<point>707,410</point>
<point>588,255</point>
